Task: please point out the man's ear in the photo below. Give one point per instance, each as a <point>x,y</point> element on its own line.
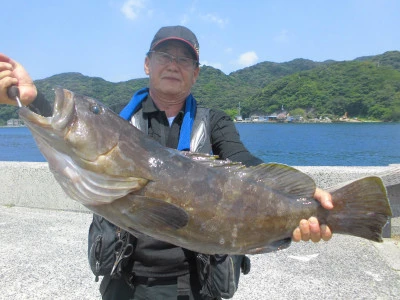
<point>147,65</point>
<point>195,75</point>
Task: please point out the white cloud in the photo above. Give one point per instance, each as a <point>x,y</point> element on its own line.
<point>132,8</point>
<point>247,59</point>
<point>212,18</point>
<point>282,37</point>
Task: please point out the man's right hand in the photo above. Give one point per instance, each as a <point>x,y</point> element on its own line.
<point>13,73</point>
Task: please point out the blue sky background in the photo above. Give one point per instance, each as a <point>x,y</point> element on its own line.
<point>109,38</point>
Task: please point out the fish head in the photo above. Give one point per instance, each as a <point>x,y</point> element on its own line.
<point>81,143</point>
<point>80,126</point>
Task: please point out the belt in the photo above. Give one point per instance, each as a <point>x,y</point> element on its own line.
<point>182,283</point>
<point>151,281</point>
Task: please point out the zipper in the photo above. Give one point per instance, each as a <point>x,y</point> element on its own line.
<point>97,255</point>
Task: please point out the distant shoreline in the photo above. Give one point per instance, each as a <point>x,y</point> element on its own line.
<point>5,126</point>
<point>269,122</point>
<point>312,122</point>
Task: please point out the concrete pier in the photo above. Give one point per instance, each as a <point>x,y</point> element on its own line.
<point>43,252</point>
<point>31,184</point>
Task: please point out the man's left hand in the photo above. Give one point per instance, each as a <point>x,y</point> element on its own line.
<point>311,229</point>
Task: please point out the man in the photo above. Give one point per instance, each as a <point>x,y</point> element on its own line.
<point>172,64</point>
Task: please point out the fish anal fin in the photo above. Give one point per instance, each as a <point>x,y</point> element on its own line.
<point>271,247</point>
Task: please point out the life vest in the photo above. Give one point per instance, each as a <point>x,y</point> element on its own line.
<point>200,140</point>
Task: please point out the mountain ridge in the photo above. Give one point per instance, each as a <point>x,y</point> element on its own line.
<point>366,87</point>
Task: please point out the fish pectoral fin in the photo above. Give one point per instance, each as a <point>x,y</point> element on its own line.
<point>150,212</point>
<point>271,247</point>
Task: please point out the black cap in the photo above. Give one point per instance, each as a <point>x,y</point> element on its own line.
<point>179,33</point>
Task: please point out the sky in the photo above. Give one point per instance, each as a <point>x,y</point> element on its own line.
<point>109,38</point>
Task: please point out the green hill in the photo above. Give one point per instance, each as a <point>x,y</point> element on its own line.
<point>114,95</point>
<point>217,90</point>
<point>260,75</point>
<point>366,87</point>
<point>361,88</point>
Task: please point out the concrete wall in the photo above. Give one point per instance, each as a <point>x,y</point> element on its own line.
<point>32,184</point>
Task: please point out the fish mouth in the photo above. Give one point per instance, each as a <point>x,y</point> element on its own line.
<point>41,127</point>
<point>64,109</point>
<point>49,132</point>
<point>56,125</point>
<point>33,118</point>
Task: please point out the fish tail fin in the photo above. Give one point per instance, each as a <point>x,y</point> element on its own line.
<point>361,208</point>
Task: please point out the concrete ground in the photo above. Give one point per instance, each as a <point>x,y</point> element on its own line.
<point>43,251</point>
<point>43,255</point>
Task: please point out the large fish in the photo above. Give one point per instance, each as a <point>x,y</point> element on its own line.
<point>191,200</point>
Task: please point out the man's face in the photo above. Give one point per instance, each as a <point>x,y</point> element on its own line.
<point>171,79</point>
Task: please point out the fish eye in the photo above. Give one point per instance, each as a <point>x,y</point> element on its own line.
<point>96,109</point>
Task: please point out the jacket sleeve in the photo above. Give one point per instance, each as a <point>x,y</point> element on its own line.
<point>226,141</point>
<point>41,106</point>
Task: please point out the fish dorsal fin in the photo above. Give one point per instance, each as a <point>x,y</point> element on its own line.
<point>282,178</point>
<point>213,161</point>
<point>200,157</point>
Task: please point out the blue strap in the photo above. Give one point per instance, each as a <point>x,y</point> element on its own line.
<point>133,105</point>
<point>187,124</point>
<point>188,118</point>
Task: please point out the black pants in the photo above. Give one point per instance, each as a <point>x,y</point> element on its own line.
<point>146,290</point>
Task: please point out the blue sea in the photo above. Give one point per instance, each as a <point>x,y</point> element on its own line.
<point>336,144</point>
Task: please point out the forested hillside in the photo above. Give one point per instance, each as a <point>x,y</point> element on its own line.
<point>366,87</point>
<point>362,89</point>
<point>260,75</point>
<point>114,95</point>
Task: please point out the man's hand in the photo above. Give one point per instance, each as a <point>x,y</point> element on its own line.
<point>12,73</point>
<point>311,229</point>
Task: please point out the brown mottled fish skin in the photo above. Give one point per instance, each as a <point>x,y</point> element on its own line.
<point>190,200</point>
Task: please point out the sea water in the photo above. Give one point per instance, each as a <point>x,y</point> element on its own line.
<point>335,144</point>
<point>321,144</point>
